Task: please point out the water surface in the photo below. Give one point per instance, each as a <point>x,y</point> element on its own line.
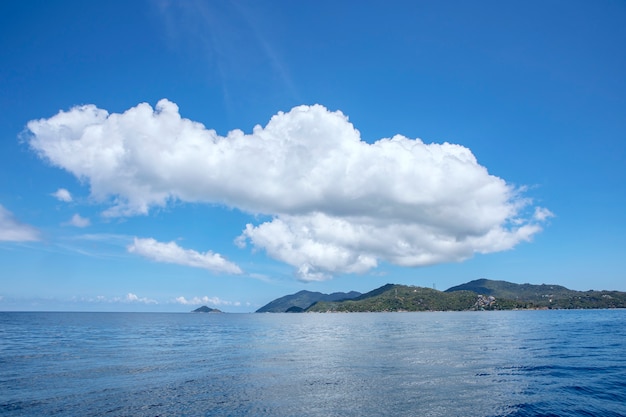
<point>508,363</point>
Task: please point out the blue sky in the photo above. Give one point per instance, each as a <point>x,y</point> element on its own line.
<point>161,155</point>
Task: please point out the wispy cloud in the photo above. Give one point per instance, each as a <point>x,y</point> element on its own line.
<point>12,230</point>
<point>129,298</point>
<point>337,204</point>
<point>261,277</point>
<point>96,245</point>
<point>227,36</point>
<point>172,253</point>
<point>108,238</point>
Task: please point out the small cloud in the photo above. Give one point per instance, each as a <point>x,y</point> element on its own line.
<point>542,214</point>
<point>128,298</point>
<point>78,221</point>
<point>62,195</point>
<point>174,254</point>
<point>11,230</point>
<point>133,298</point>
<point>216,301</point>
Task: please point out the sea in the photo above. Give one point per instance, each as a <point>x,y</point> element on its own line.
<point>496,363</point>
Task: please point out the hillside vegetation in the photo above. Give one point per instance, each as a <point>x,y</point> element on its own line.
<point>510,296</point>
<point>394,297</point>
<point>301,300</point>
<point>482,294</point>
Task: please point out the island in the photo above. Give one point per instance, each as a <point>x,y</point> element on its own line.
<point>480,294</point>
<point>205,309</point>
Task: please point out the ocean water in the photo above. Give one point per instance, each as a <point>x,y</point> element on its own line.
<point>508,363</point>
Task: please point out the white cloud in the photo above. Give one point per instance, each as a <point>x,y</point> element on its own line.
<point>128,298</point>
<point>172,253</point>
<point>215,301</point>
<point>542,214</point>
<point>62,195</point>
<point>319,245</point>
<point>339,204</point>
<point>12,230</point>
<point>78,221</point>
<point>133,298</point>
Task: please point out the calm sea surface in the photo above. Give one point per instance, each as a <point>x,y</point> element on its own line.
<point>515,363</point>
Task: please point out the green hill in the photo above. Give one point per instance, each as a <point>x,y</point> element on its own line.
<point>393,297</point>
<point>510,295</point>
<point>482,294</point>
<point>509,290</point>
<point>301,300</point>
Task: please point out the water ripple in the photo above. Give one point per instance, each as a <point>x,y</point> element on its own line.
<point>562,363</point>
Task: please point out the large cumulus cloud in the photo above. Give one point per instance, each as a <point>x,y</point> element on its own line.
<point>338,204</point>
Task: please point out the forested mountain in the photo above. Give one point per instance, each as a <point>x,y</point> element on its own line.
<point>303,299</point>
<point>510,295</point>
<point>481,294</point>
<point>394,297</point>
